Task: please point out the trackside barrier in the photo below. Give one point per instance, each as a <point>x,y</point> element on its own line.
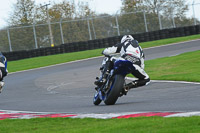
<point>102,43</point>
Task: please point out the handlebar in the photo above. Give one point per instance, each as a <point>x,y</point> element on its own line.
<point>109,56</point>
<point>112,55</point>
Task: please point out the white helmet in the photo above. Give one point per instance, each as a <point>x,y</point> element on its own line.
<point>126,37</point>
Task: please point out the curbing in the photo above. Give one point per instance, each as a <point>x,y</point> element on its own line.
<point>6,114</point>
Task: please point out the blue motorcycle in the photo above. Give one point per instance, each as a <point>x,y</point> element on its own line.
<point>114,85</point>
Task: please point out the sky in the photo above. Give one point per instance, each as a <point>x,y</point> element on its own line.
<point>100,6</point>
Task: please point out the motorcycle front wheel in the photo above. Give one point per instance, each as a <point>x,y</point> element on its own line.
<point>96,99</point>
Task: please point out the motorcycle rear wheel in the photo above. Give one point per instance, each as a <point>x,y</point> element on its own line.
<point>115,89</point>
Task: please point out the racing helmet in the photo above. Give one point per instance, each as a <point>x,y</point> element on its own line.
<point>126,37</point>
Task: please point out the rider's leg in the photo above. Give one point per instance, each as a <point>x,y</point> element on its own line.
<point>143,78</point>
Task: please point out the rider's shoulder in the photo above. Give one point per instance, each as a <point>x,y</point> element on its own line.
<point>119,45</point>
<point>134,43</point>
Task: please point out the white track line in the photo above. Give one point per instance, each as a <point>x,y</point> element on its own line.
<point>167,81</point>
<point>182,82</point>
<point>172,44</point>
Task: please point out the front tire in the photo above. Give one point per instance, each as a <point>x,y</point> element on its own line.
<point>96,99</point>
<point>114,90</point>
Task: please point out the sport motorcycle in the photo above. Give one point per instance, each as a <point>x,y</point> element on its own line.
<point>114,85</point>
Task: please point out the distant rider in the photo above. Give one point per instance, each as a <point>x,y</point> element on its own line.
<point>3,70</point>
<point>129,49</point>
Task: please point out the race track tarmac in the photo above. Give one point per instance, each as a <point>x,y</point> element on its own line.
<point>69,88</point>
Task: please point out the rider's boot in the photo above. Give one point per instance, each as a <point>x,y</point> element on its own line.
<point>136,83</point>
<point>1,86</point>
<point>98,81</point>
<point>105,72</point>
<point>101,80</point>
<point>130,85</point>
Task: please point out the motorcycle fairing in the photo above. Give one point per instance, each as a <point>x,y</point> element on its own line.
<point>123,67</point>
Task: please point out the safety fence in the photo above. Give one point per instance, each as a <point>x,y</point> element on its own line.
<point>102,43</point>
<point>40,34</point>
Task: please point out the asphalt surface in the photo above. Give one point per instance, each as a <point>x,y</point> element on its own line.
<point>69,88</point>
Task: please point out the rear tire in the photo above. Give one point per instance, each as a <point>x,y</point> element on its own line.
<point>115,90</point>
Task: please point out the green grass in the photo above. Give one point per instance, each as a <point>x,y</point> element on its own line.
<point>184,67</point>
<point>36,62</point>
<point>169,41</point>
<point>136,125</point>
<point>42,61</point>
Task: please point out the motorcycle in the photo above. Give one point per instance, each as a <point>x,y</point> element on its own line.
<point>114,85</point>
<point>1,86</point>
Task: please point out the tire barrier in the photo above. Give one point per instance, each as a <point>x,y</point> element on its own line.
<point>102,43</point>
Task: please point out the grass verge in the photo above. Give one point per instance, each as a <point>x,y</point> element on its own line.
<point>42,61</point>
<point>184,67</point>
<point>68,125</point>
<point>169,41</point>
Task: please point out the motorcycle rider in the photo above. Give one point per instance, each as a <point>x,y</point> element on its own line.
<point>3,70</point>
<point>129,49</point>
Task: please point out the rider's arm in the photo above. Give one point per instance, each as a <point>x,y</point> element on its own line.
<point>142,57</point>
<point>110,50</point>
<point>142,53</point>
<point>113,49</point>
